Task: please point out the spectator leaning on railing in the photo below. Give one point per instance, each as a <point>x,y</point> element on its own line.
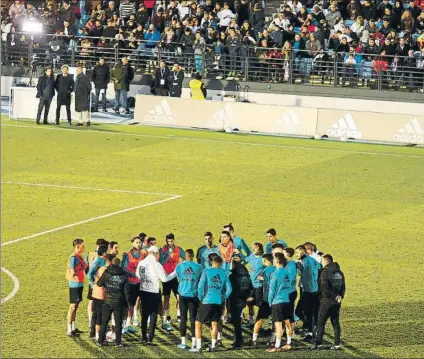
<point>219,40</point>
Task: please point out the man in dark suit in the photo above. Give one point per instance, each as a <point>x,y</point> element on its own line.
<point>101,78</point>
<point>82,97</point>
<point>128,76</point>
<point>176,81</point>
<point>64,86</point>
<point>162,80</point>
<point>45,92</point>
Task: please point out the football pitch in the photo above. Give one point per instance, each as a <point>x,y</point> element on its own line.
<point>361,203</point>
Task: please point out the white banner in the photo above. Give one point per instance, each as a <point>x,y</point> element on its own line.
<point>219,115</point>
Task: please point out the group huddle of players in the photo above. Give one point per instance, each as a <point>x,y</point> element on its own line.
<point>212,287</point>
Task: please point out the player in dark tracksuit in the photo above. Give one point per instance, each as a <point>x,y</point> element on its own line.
<point>114,280</point>
<point>332,290</point>
<point>241,291</point>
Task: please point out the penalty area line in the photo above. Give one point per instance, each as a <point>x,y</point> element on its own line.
<point>16,284</point>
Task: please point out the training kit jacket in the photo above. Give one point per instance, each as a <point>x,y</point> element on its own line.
<point>256,268</point>
<point>279,287</point>
<point>114,280</point>
<point>309,272</point>
<point>188,275</point>
<point>332,283</point>
<point>292,269</point>
<point>214,286</point>
<point>241,285</point>
<point>151,273</point>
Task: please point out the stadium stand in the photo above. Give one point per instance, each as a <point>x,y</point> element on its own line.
<point>352,43</point>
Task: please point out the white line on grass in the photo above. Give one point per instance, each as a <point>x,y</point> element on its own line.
<point>90,220</point>
<point>88,188</point>
<point>15,279</point>
<point>171,137</point>
<point>15,285</point>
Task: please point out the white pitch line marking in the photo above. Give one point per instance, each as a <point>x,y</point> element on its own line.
<point>223,142</point>
<point>90,220</point>
<point>15,285</point>
<point>88,188</point>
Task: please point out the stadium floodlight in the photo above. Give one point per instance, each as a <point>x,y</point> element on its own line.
<point>32,27</point>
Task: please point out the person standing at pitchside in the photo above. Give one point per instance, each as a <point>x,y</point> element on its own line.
<point>82,97</point>
<point>64,86</point>
<point>45,92</point>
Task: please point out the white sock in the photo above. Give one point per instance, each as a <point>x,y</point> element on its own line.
<point>97,335</point>
<point>128,322</point>
<point>273,337</point>
<point>73,325</point>
<point>183,340</point>
<point>178,313</point>
<point>255,337</point>
<point>113,320</point>
<point>219,336</point>
<point>289,340</point>
<point>69,328</point>
<point>213,343</point>
<point>199,344</point>
<point>193,342</point>
<point>277,342</point>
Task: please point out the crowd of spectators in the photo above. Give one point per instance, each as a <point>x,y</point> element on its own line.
<point>362,37</point>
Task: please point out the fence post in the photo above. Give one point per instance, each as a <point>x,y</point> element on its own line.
<point>246,65</point>
<point>379,78</point>
<point>291,59</point>
<point>204,61</point>
<point>73,54</point>
<point>31,45</point>
<point>336,62</point>
<point>116,52</point>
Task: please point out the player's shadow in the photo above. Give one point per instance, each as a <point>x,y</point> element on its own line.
<point>363,329</point>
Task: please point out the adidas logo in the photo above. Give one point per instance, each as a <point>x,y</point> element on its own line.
<point>221,119</point>
<point>161,114</point>
<point>345,127</point>
<point>216,279</point>
<point>290,123</point>
<point>412,132</point>
<point>189,271</point>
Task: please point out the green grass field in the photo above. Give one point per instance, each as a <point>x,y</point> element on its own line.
<point>361,203</point>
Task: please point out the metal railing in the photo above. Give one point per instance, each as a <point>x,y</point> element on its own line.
<point>246,63</point>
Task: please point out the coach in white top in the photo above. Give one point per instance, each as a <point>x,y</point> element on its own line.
<point>151,273</point>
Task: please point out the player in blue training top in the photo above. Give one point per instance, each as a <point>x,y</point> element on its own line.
<point>204,251</point>
<point>256,267</point>
<point>278,298</point>
<point>239,242</point>
<point>92,273</point>
<point>292,269</point>
<point>308,305</point>
<point>271,235</point>
<point>188,274</point>
<point>214,289</point>
<point>264,310</point>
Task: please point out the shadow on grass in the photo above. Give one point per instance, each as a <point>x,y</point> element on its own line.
<point>363,329</point>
